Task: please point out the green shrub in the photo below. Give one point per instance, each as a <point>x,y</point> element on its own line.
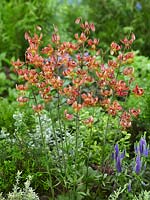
<point>114,18</point>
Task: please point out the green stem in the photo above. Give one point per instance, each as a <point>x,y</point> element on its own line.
<point>61,131</point>
<point>104,140</point>
<point>77,131</point>
<point>56,142</point>
<point>88,159</point>
<point>45,150</point>
<point>76,155</point>
<point>47,158</point>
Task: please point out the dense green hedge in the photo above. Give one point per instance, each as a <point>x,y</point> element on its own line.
<point>113,19</point>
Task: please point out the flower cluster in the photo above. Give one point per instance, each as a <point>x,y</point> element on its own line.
<point>141,149</point>
<point>118,156</point>
<point>71,70</point>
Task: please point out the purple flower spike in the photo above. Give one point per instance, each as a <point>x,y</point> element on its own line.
<point>138,164</point>
<point>142,148</point>
<point>145,151</point>
<point>118,164</point>
<point>136,149</point>
<point>116,150</point>
<point>142,145</point>
<point>123,154</point>
<point>117,156</point>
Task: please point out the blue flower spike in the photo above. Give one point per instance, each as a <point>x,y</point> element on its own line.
<point>117,156</point>
<point>142,148</point>
<point>138,165</point>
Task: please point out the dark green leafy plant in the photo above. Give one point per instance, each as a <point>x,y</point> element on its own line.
<point>114,18</point>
